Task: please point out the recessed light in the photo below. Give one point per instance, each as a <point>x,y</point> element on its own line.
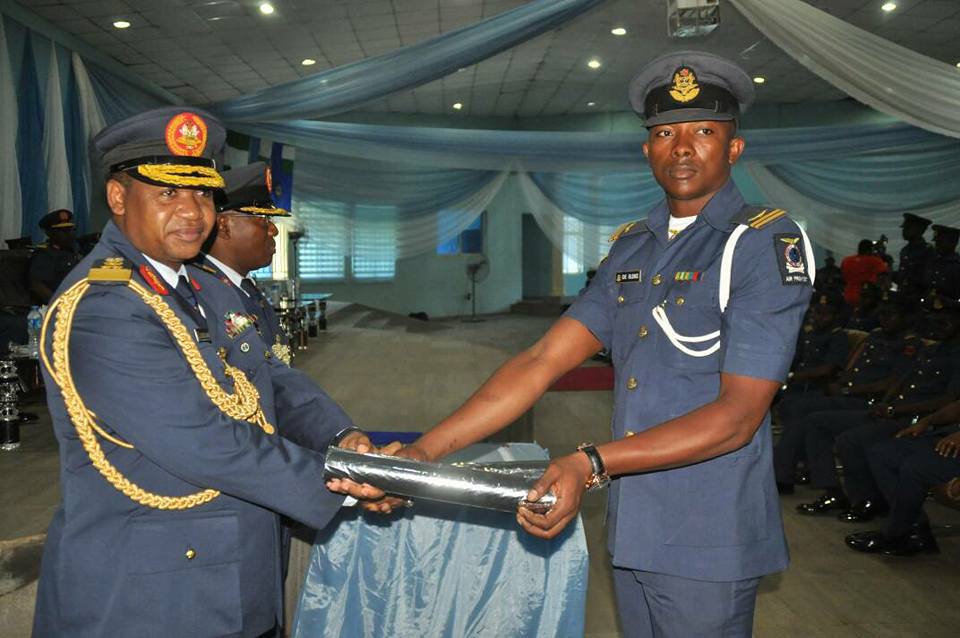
<point>457,106</point>
<point>759,79</point>
<point>618,31</point>
<point>591,103</point>
<point>121,24</point>
<point>594,64</point>
<point>958,65</point>
<point>888,6</point>
<point>266,8</point>
<point>308,62</point>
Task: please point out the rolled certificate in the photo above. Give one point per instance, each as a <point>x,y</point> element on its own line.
<point>461,485</point>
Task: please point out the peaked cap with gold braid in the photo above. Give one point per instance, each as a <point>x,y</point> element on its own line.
<point>171,146</point>
<point>249,189</point>
<point>243,404</point>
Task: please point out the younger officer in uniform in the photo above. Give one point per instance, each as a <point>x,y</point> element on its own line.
<point>945,267</point>
<point>915,257</point>
<point>172,467</point>
<point>700,304</point>
<point>50,263</point>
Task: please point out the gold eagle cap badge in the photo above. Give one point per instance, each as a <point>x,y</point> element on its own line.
<point>684,87</point>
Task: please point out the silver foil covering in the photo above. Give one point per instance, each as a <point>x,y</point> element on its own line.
<point>503,489</point>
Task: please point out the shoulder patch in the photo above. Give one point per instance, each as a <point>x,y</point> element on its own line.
<point>112,270</point>
<point>627,229</point>
<point>757,216</point>
<point>790,258</point>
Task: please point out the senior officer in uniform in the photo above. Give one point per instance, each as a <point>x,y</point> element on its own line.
<point>172,468</point>
<point>243,241</point>
<point>700,345</point>
<point>50,263</point>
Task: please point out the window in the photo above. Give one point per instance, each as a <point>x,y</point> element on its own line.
<point>584,245</point>
<point>332,236</point>
<point>468,242</point>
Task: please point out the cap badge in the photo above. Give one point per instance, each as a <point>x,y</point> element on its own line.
<point>186,134</point>
<point>684,87</point>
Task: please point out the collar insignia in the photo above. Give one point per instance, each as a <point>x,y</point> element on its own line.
<point>684,87</point>
<point>186,134</point>
<point>153,280</point>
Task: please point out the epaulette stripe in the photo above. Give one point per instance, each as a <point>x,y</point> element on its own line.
<point>624,229</point>
<point>759,219</point>
<point>768,218</point>
<point>758,215</point>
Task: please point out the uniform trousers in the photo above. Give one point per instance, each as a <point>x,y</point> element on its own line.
<point>852,448</point>
<point>822,431</point>
<point>662,606</point>
<point>905,469</point>
<point>794,411</point>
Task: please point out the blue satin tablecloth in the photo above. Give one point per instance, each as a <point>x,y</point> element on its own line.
<point>442,571</point>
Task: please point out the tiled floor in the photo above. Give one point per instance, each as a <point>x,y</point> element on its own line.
<point>398,374</point>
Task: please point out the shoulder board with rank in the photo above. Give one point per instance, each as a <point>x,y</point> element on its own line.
<point>112,270</point>
<point>757,217</point>
<point>627,229</point>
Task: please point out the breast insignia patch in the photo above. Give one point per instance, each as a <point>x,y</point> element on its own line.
<point>630,276</point>
<point>790,259</point>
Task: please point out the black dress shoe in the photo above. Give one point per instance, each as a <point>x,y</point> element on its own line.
<point>823,505</point>
<point>866,541</point>
<point>911,546</point>
<point>862,512</point>
<point>784,488</point>
<point>876,542</point>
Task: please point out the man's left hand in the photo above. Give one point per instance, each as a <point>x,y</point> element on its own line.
<point>566,477</point>
<point>949,446</point>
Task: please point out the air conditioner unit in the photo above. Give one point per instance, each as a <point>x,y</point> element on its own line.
<point>692,18</point>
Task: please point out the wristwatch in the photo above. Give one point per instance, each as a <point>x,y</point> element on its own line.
<point>342,434</point>
<point>599,477</point>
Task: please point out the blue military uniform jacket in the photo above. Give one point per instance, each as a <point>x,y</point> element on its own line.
<point>934,373</point>
<point>719,519</point>
<point>881,356</point>
<point>115,567</point>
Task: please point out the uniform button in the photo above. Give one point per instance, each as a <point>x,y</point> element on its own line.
<point>629,433</point>
<point>681,301</point>
<point>657,279</point>
<point>222,352</point>
<point>913,386</point>
<point>632,383</point>
<point>191,554</point>
<point>849,384</point>
<point>267,354</point>
<point>620,299</point>
<point>856,369</point>
<point>269,429</point>
<point>643,332</point>
<point>244,347</point>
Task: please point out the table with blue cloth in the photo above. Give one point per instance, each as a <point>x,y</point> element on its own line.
<point>439,570</point>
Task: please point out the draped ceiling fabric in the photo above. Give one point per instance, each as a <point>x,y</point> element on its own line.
<point>883,75</point>
<point>59,193</point>
<point>348,87</point>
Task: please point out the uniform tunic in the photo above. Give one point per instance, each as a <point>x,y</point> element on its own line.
<point>914,268</point>
<point>719,519</point>
<point>113,567</point>
<point>49,265</point>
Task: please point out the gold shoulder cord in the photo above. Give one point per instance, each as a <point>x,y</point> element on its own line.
<point>243,404</point>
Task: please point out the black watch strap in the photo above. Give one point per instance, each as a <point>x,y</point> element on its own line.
<point>599,477</point>
<point>342,434</point>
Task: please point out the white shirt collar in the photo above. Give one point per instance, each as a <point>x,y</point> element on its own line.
<point>234,277</point>
<point>168,274</point>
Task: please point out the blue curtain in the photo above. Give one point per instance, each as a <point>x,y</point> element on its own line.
<point>76,145</point>
<point>119,99</point>
<point>348,87</point>
<point>33,183</point>
<point>601,198</point>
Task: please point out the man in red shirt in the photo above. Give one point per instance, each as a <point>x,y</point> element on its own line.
<point>860,269</point>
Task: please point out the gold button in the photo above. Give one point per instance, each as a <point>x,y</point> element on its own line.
<point>222,352</point>
<point>643,332</point>
<point>244,347</point>
<point>632,383</point>
<point>657,279</point>
<point>191,554</point>
<point>620,299</point>
<point>629,433</point>
<point>856,369</point>
<point>267,354</point>
<point>681,301</point>
<point>269,429</point>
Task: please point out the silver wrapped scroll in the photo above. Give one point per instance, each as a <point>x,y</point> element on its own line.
<point>490,487</point>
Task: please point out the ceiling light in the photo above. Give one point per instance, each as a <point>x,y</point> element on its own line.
<point>121,24</point>
<point>618,31</point>
<point>889,6</point>
<point>457,106</point>
<point>266,8</point>
<point>308,62</point>
<point>958,65</point>
<point>594,64</point>
<point>759,79</point>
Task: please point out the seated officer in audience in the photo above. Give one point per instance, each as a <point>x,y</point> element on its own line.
<point>863,315</point>
<point>243,241</point>
<point>944,279</point>
<point>932,380</point>
<point>915,258</point>
<point>829,276</point>
<point>51,262</point>
<point>870,373</point>
<point>172,467</point>
<point>905,468</point>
